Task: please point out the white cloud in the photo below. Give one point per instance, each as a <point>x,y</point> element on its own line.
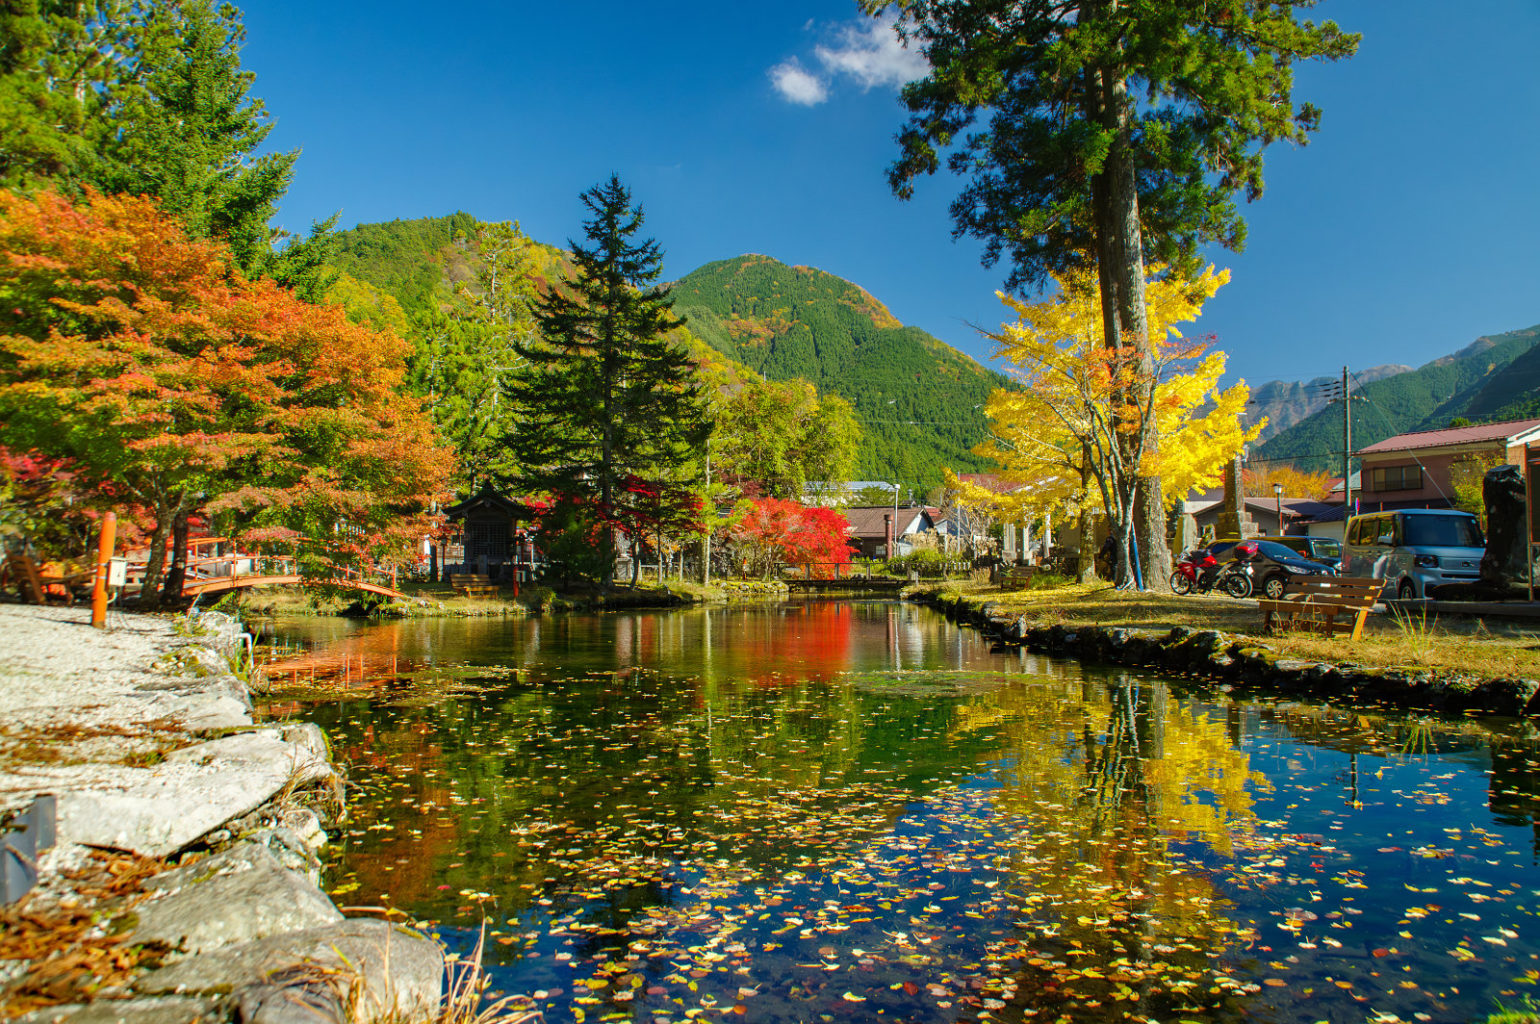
<point>871,53</point>
<point>798,85</point>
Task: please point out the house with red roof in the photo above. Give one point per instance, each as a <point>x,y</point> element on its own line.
<point>1412,470</point>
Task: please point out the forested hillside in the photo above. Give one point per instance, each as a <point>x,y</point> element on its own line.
<point>1492,379</point>
<point>918,400</point>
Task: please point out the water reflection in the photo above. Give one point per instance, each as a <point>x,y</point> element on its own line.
<point>842,809</point>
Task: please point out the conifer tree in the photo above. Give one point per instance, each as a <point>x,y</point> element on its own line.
<point>1095,133</point>
<point>605,393</point>
<point>187,134</point>
<point>62,62</point>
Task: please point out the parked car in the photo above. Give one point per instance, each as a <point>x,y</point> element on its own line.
<point>1271,563</point>
<point>1326,550</point>
<point>1414,549</point>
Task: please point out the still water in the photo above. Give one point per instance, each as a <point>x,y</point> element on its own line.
<point>846,811</point>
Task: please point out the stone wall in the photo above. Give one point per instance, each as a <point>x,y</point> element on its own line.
<point>1243,664</point>
<point>144,735</point>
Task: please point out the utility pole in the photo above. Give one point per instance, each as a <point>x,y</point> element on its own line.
<point>1332,392</point>
<point>1347,449</point>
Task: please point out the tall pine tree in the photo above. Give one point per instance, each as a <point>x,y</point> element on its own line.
<point>186,136</point>
<point>62,64</point>
<point>1093,133</point>
<point>605,395</point>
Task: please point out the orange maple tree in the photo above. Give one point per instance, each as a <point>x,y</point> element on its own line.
<point>173,383</point>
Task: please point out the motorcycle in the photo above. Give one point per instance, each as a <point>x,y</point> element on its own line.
<point>1201,572</point>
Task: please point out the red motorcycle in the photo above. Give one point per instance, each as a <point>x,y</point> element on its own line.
<point>1201,572</point>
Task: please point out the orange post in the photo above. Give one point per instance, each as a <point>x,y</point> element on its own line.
<point>104,545</point>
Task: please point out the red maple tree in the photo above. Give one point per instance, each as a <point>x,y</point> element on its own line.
<point>777,530</point>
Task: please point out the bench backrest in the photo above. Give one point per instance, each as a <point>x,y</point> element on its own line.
<point>1017,575</point>
<point>29,582</point>
<point>1347,591</point>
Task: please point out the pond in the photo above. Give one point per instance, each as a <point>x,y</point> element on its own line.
<point>848,811</point>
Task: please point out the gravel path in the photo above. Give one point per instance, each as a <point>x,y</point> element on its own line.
<point>52,660</point>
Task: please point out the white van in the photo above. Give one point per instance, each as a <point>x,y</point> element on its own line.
<point>1413,549</point>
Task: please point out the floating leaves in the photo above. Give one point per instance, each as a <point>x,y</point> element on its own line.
<point>935,846</point>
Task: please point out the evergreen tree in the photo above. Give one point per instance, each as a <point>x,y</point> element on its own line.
<point>188,132</point>
<point>1113,127</point>
<point>605,394</point>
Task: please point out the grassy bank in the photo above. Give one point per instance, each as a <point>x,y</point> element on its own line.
<point>434,600</point>
<point>1453,644</point>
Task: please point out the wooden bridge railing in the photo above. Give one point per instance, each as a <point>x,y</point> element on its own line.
<point>240,564</point>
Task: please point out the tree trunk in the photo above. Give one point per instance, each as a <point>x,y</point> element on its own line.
<point>1109,253</point>
<point>1121,247</point>
<point>171,591</point>
<point>149,587</point>
<point>1084,524</point>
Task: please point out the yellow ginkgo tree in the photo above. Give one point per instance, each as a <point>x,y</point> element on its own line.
<point>1071,432</point>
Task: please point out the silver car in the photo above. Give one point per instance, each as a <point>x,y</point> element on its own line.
<point>1414,549</point>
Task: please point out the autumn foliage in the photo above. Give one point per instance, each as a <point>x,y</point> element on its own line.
<point>1296,483</point>
<point>174,384</point>
<point>776,530</point>
<point>1073,432</point>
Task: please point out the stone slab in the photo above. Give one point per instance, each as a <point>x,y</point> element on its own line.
<point>173,1010</point>
<point>400,972</point>
<point>157,811</point>
<point>234,897</point>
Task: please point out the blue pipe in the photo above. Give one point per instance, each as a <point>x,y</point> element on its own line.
<point>1133,557</point>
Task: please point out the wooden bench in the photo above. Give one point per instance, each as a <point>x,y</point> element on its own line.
<point>470,584</point>
<point>33,586</point>
<point>1017,577</point>
<point>1323,604</point>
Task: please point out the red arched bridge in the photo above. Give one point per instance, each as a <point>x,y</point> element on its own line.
<point>206,574</point>
<point>239,570</point>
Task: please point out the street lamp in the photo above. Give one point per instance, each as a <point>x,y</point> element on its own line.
<point>1278,494</point>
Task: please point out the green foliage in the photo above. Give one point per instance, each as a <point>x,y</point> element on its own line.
<point>1063,123</point>
<point>568,536</point>
<point>151,99</point>
<point>918,560</point>
<point>187,132</point>
<point>606,392</point>
<point>1474,383</point>
<point>781,435</point>
<point>368,305</point>
<point>407,258</point>
<point>61,68</point>
<point>916,399</point>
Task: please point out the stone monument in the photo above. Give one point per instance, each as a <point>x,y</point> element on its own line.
<point>1504,565</point>
<point>1234,520</point>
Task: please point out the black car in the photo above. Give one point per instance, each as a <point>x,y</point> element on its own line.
<point>1325,550</point>
<point>1271,564</point>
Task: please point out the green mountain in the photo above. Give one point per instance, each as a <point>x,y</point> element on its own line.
<point>918,399</point>
<point>1492,379</point>
<point>413,260</point>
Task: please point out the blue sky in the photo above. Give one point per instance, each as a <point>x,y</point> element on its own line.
<point>1406,229</point>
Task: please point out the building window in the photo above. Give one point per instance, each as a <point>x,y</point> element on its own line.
<point>1395,478</point>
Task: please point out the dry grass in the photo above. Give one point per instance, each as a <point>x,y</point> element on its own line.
<point>467,1001</point>
<point>73,955</point>
<point>1454,644</point>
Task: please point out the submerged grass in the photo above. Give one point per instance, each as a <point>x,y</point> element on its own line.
<point>1457,645</point>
